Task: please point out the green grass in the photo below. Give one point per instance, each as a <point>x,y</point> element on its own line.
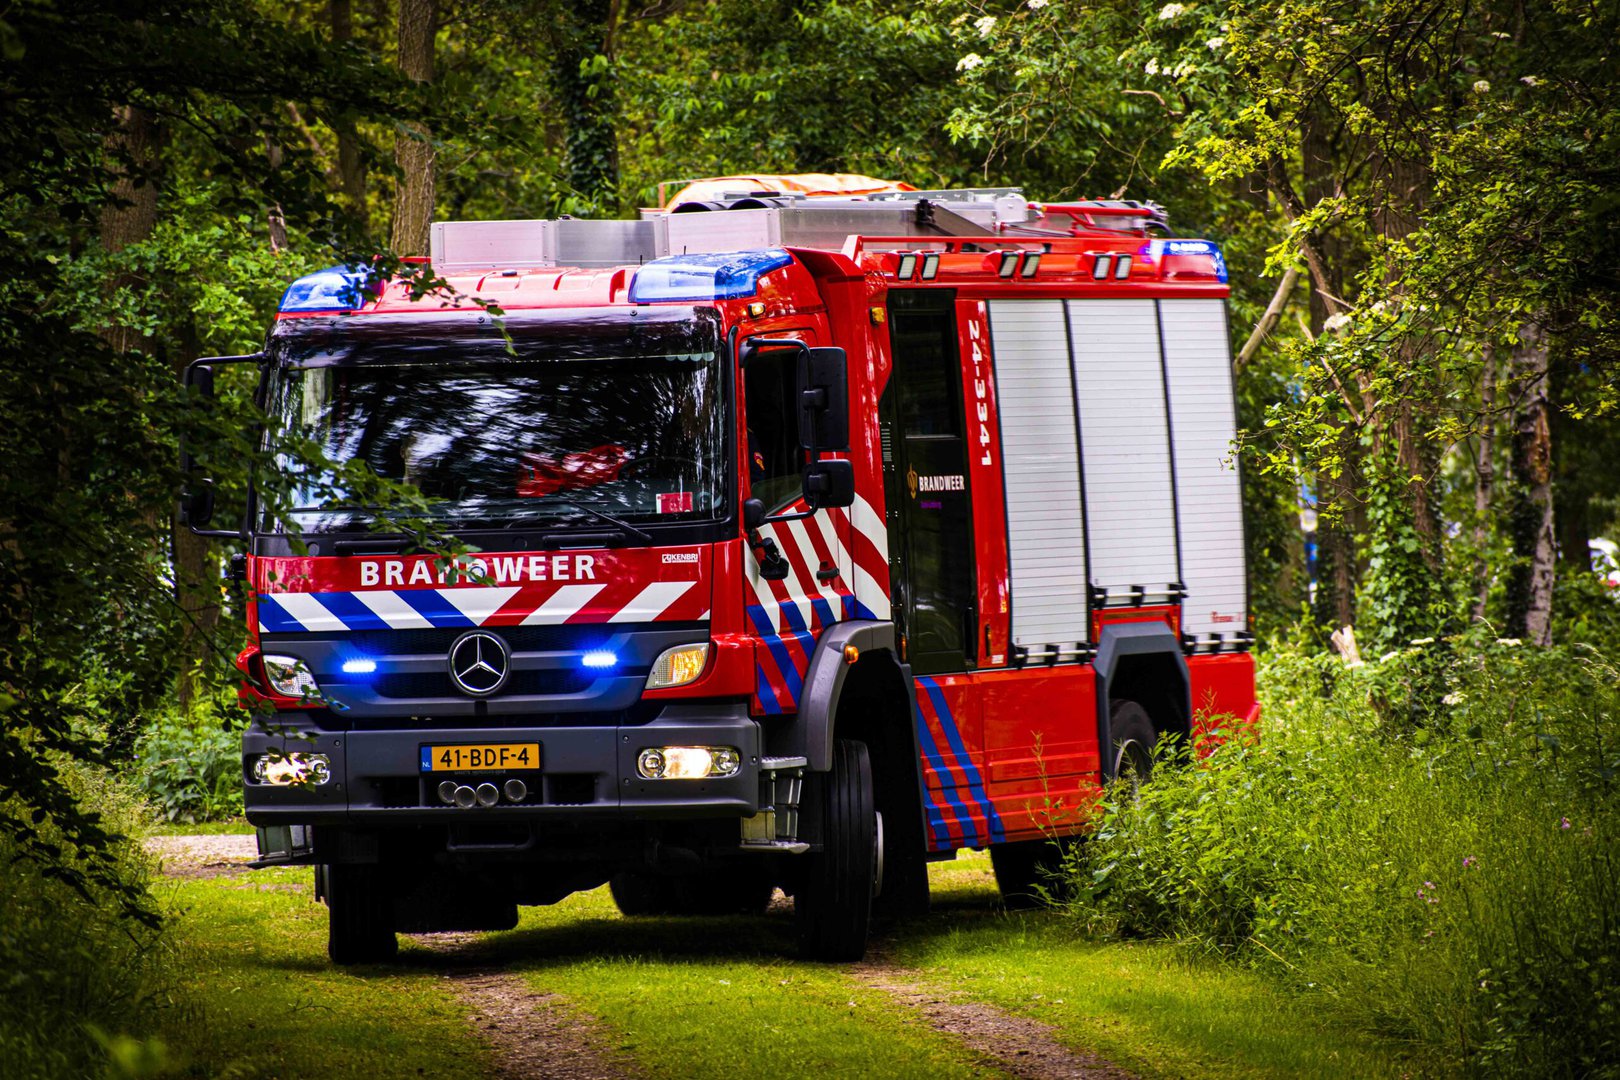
<point>258,999</point>
<point>1146,1006</point>
<point>721,997</point>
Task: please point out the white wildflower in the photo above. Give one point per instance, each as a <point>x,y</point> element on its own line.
<point>1182,70</point>
<point>1380,306</point>
<point>1215,43</point>
<point>1036,5</point>
<point>1423,641</point>
<point>1453,698</point>
<point>1387,657</point>
<point>1483,86</point>
<point>1151,67</point>
<point>1336,322</point>
<point>1530,80</point>
<point>985,25</point>
<point>969,62</point>
<point>1508,641</point>
<point>1170,11</point>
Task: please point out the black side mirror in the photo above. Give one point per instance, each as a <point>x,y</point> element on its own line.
<point>196,508</point>
<point>823,399</point>
<point>753,513</point>
<point>197,503</point>
<point>829,484</point>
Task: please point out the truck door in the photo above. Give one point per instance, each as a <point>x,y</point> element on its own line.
<point>925,462</point>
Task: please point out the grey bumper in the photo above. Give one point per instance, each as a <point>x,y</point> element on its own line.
<point>586,774</point>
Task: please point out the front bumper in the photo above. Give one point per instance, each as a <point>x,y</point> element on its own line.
<point>587,774</point>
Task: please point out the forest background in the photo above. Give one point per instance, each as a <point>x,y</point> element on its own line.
<point>1419,200</point>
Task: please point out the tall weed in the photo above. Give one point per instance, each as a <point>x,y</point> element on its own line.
<point>1452,884</point>
<point>190,767</point>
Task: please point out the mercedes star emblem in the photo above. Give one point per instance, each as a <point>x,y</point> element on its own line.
<point>479,663</point>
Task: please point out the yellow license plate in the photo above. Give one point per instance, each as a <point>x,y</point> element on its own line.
<point>480,757</point>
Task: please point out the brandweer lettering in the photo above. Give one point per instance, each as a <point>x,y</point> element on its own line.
<point>496,570</point>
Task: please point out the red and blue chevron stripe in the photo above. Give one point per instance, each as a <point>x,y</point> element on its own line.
<point>958,810</point>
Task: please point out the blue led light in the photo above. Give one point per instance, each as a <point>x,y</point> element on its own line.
<point>337,288</point>
<point>599,658</point>
<point>1157,248</point>
<point>359,667</point>
<point>722,276</point>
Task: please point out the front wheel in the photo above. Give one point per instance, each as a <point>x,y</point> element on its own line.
<point>834,899</point>
<point>1133,741</point>
<point>360,915</point>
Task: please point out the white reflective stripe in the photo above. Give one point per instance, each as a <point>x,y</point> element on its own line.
<point>762,593</point>
<point>812,560</point>
<point>796,589</point>
<point>391,609</point>
<point>869,594</point>
<point>478,604</point>
<point>652,601</point>
<point>308,611</point>
<point>561,605</point>
<point>843,558</point>
<point>870,525</point>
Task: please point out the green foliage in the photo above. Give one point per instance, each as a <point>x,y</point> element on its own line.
<point>190,767</point>
<point>71,961</point>
<point>1453,886</point>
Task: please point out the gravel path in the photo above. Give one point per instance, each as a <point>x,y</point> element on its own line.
<point>202,856</point>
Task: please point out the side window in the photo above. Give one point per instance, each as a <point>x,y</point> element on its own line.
<point>774,458</point>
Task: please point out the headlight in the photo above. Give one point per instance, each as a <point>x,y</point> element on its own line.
<point>678,666</point>
<point>291,677</point>
<point>687,762</point>
<point>292,768</point>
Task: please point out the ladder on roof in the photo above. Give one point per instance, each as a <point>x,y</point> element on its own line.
<point>755,220</point>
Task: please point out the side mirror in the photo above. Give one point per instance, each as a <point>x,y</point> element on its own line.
<point>753,513</point>
<point>823,399</point>
<point>196,508</point>
<point>197,504</point>
<point>829,484</point>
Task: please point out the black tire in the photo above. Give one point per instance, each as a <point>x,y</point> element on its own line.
<point>360,915</point>
<point>1029,872</point>
<point>834,899</point>
<point>1133,739</point>
<point>638,895</point>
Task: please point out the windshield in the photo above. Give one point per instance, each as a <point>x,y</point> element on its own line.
<point>562,433</point>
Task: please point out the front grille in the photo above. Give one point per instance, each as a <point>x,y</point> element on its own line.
<point>432,684</point>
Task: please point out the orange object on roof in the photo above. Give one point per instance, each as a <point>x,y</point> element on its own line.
<point>717,187</point>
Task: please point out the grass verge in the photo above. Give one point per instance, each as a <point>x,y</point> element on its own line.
<point>258,998</point>
<point>1149,1007</point>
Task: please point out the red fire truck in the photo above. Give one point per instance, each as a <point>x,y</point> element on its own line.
<point>815,537</point>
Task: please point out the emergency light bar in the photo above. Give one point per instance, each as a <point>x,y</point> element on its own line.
<point>337,288</point>
<point>719,276</point>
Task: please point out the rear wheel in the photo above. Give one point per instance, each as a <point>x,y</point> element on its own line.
<point>1133,738</point>
<point>1029,872</point>
<point>360,915</point>
<point>834,898</point>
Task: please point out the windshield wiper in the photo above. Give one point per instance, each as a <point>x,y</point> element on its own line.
<point>640,534</point>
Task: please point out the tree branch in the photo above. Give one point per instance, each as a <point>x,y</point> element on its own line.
<point>1274,310</point>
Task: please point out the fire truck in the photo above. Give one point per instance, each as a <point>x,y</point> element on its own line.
<point>817,531</point>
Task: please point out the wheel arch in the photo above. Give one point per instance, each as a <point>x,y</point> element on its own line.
<point>1142,662</point>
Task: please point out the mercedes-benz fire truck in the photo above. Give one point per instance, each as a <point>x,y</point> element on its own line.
<point>815,537</point>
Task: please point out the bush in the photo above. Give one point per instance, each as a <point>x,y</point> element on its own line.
<point>1454,885</point>
<point>80,978</point>
<point>190,768</point>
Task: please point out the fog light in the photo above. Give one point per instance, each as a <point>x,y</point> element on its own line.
<point>688,762</point>
<point>678,666</point>
<point>361,666</point>
<point>284,770</point>
<point>599,658</point>
<point>290,677</point>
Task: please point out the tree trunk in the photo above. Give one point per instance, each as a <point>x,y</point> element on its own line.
<point>351,168</point>
<point>1484,481</point>
<point>413,147</point>
<point>1530,583</point>
<point>132,215</point>
<point>582,72</point>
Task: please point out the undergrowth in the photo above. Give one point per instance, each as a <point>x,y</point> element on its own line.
<point>1452,883</point>
<point>190,765</point>
<point>80,980</point>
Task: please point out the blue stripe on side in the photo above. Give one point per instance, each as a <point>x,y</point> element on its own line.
<point>434,608</point>
<point>351,612</point>
<point>790,671</point>
<point>823,610</point>
<point>958,810</point>
<point>762,690</point>
<point>273,618</point>
<point>862,611</point>
<point>975,782</point>
<point>761,621</point>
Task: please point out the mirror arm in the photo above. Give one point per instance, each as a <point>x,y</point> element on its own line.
<point>752,347</point>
